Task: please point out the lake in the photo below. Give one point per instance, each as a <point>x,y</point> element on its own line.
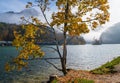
<point>84,57</point>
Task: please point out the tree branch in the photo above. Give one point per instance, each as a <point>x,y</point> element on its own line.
<point>58,50</point>
<point>40,58</point>
<point>70,39</point>
<point>53,48</point>
<point>45,27</point>
<point>90,20</point>
<point>53,65</point>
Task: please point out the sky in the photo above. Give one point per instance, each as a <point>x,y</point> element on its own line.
<point>19,5</point>
<point>13,5</point>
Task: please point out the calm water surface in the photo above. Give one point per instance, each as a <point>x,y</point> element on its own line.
<point>85,57</point>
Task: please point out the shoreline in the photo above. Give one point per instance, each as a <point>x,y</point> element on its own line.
<point>81,74</point>
<point>106,73</point>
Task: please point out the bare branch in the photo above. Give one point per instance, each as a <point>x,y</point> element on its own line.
<point>40,58</point>
<point>47,58</point>
<point>70,39</point>
<point>90,20</point>
<point>53,65</point>
<point>56,41</point>
<point>45,16</point>
<point>45,27</point>
<point>53,48</point>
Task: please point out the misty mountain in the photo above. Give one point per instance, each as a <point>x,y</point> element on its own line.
<point>111,35</point>
<point>14,17</point>
<point>6,34</point>
<point>10,21</point>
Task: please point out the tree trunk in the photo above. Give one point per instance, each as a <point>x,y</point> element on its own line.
<point>64,70</point>
<point>63,60</point>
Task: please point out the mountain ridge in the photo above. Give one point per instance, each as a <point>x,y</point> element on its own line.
<point>6,34</point>
<point>12,17</point>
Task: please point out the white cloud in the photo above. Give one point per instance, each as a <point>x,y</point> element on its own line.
<point>114,12</point>
<point>14,17</point>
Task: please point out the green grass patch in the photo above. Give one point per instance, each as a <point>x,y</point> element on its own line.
<point>55,81</point>
<point>107,67</point>
<point>78,80</point>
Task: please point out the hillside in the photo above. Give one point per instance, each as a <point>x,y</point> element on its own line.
<point>6,34</point>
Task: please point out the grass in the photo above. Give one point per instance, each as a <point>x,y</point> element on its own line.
<point>55,81</point>
<point>107,67</point>
<point>77,80</point>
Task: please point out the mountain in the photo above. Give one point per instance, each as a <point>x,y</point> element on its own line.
<point>6,34</point>
<point>10,21</point>
<point>111,35</point>
<point>29,12</point>
<point>14,17</point>
<point>71,40</point>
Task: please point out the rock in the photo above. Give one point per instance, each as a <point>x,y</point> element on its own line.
<point>117,68</point>
<point>51,78</point>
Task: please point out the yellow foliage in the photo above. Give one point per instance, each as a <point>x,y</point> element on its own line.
<point>25,43</point>
<point>76,23</point>
<point>94,24</point>
<point>7,67</point>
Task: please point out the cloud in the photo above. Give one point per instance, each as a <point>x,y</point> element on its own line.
<point>114,12</point>
<point>14,17</point>
<point>111,35</point>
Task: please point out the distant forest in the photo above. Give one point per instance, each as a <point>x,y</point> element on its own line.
<point>6,31</point>
<point>6,34</point>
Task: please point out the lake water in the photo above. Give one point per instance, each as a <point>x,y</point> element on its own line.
<point>85,57</point>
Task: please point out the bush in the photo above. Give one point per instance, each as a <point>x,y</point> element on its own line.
<point>107,67</point>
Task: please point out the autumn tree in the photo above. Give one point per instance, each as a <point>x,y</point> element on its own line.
<point>87,15</point>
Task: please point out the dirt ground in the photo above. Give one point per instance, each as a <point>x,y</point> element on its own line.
<point>108,78</point>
